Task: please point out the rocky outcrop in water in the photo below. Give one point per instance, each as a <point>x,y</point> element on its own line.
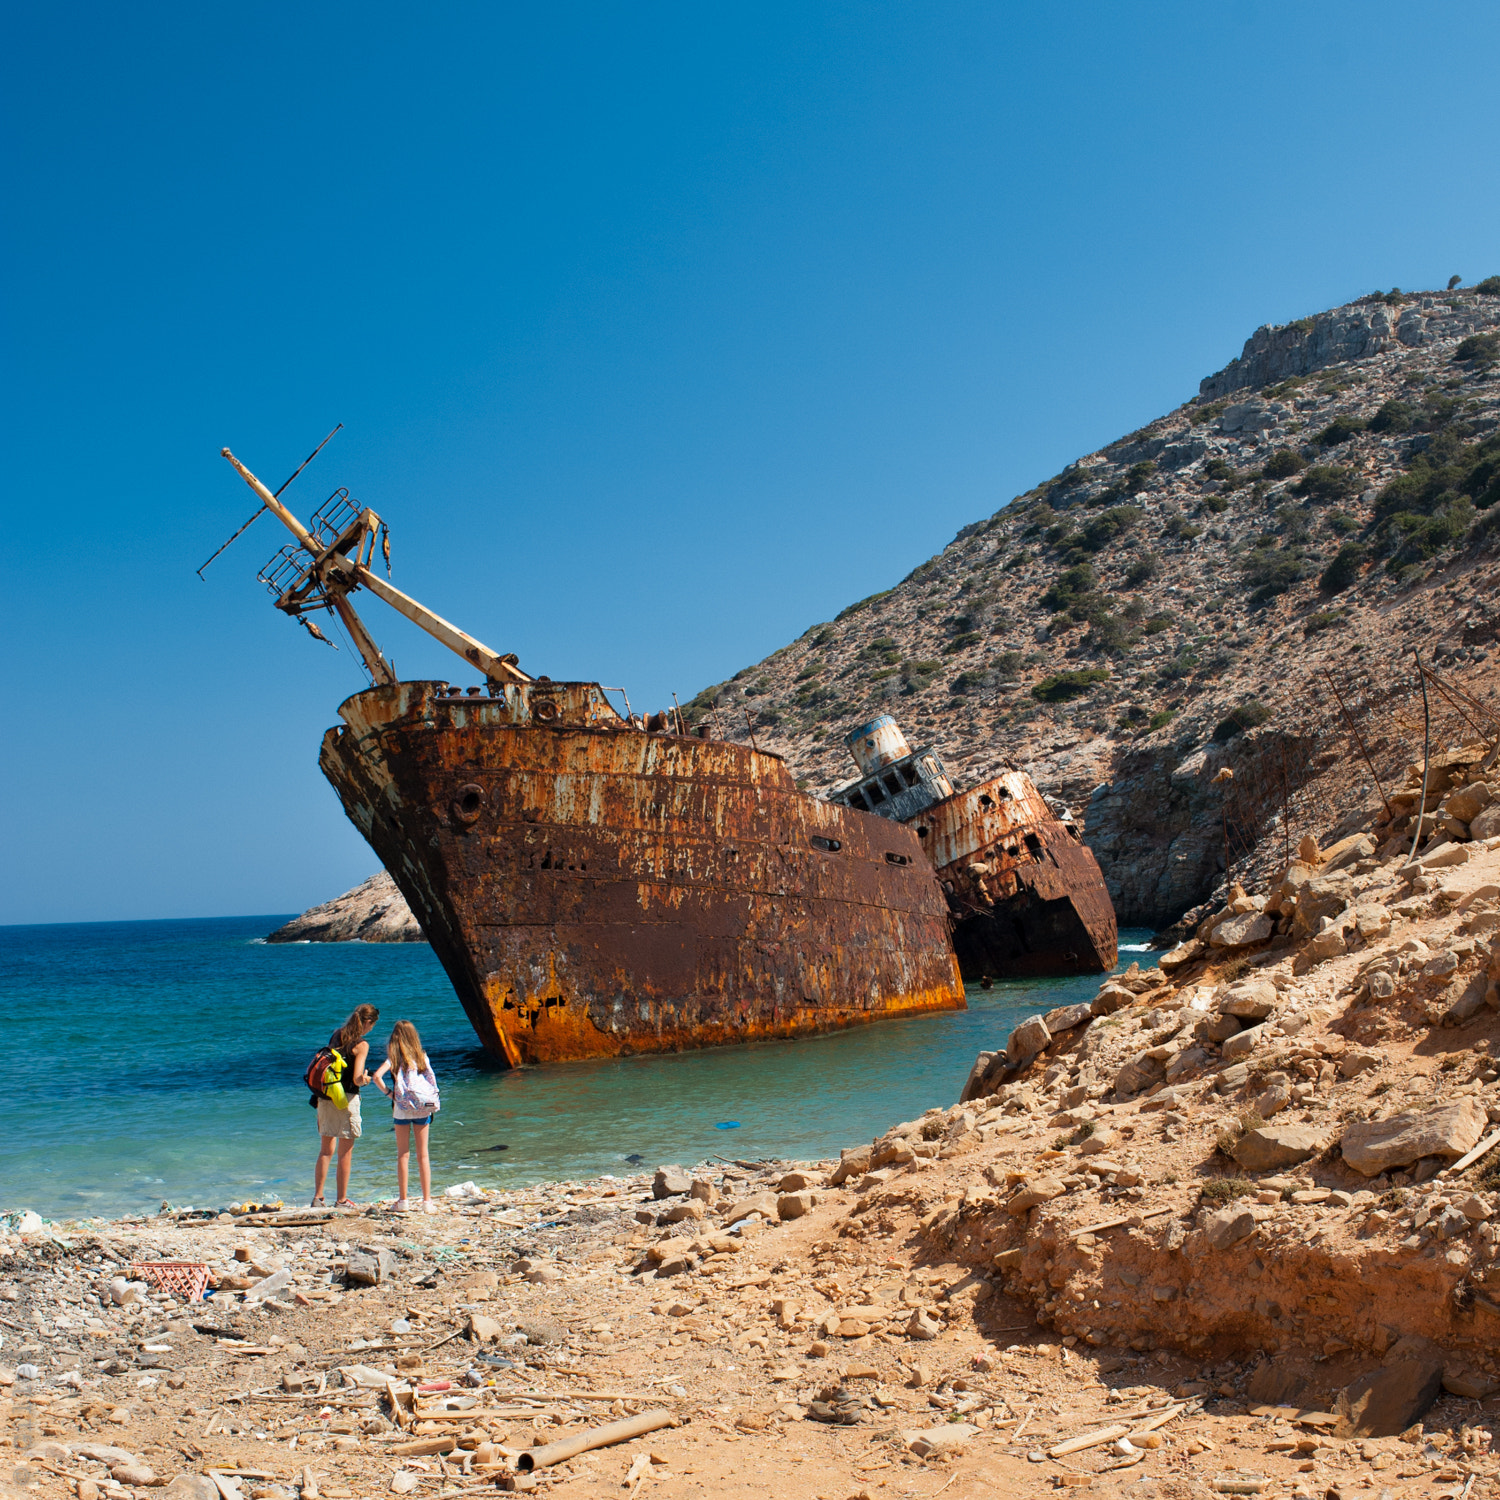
<point>373,912</point>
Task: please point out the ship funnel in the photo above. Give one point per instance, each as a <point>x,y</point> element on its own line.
<point>877,744</point>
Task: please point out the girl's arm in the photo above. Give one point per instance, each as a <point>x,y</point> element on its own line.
<point>361,1052</point>
<point>380,1073</point>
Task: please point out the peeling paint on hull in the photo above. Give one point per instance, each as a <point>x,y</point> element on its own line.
<point>593,890</point>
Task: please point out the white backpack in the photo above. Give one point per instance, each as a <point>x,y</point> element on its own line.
<point>416,1092</point>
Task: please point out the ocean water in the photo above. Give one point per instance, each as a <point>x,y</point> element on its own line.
<point>152,1061</point>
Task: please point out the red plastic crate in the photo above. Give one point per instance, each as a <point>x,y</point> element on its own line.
<point>184,1279</point>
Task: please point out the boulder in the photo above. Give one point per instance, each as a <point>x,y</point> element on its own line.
<point>973,1085</point>
<point>1469,801</point>
<point>1181,956</point>
<point>1242,1043</point>
<point>1027,1040</point>
<point>795,1205</point>
<point>761,1203</point>
<point>1244,931</point>
<point>892,1153</point>
<point>691,1208</point>
<point>1372,921</point>
<point>1386,1402</point>
<point>670,1182</point>
<point>797,1182</point>
<point>1187,1063</point>
<point>855,1163</point>
<point>1374,1146</point>
<point>1252,1000</point>
<point>1229,1226</point>
<point>1139,1073</point>
<point>1322,896</point>
<point>1111,997</point>
<point>1065,1018</point>
<point>1352,1064</point>
<point>1030,1194</point>
<point>922,1325</point>
<point>1216,1029</point>
<point>484,1330</point>
<point>134,1473</point>
<point>1487,824</point>
<point>1349,851</point>
<point>1268,1147</point>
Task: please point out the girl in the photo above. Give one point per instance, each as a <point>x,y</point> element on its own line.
<point>343,1125</point>
<point>414,1092</point>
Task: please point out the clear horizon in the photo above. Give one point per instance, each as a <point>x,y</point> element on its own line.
<point>658,336</point>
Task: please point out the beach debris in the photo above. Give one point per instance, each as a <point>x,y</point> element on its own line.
<point>596,1437</point>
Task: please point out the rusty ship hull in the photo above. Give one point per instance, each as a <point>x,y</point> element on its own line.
<point>593,889</point>
<point>1026,894</point>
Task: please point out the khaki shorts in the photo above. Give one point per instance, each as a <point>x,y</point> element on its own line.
<point>343,1123</point>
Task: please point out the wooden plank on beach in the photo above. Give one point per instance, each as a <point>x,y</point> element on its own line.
<point>1087,1440</point>
<point>1155,1213</point>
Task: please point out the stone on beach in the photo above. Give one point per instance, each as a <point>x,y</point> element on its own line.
<point>1267,1147</point>
<point>671,1182</point>
<point>1029,1037</point>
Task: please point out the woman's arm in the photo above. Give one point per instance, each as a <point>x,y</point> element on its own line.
<point>380,1073</point>
<point>361,1052</point>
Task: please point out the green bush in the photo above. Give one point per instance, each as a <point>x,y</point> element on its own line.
<point>1109,633</point>
<point>1340,430</point>
<point>1208,412</point>
<point>1325,619</point>
<point>1344,569</point>
<point>1341,523</point>
<point>1008,664</point>
<point>1270,571</point>
<point>1219,468</point>
<point>1073,584</point>
<point>1292,520</point>
<point>1283,463</point>
<point>883,643</point>
<point>811,670</point>
<point>1418,537</point>
<point>1143,570</point>
<point>966,682</point>
<point>1179,528</point>
<point>1246,716</point>
<point>1158,623</point>
<point>1067,685</point>
<point>1481,348</point>
<point>1107,526</point>
<point>962,642</point>
<point>865,603</point>
<point>1018,561</point>
<point>1217,504</point>
<point>1489,287</point>
<point>1184,664</point>
<point>1328,482</point>
<point>1447,469</point>
<point>1162,718</point>
<point>1394,416</point>
<point>1137,475</point>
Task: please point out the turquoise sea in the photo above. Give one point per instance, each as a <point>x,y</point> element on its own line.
<point>152,1061</point>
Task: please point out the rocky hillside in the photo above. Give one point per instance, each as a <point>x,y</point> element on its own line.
<point>1171,605</point>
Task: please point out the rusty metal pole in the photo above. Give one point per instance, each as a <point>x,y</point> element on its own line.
<point>1359,739</point>
<point>1426,754</point>
<point>751,727</point>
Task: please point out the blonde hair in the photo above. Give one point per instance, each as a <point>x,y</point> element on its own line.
<point>405,1048</point>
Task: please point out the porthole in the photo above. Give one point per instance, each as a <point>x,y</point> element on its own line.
<point>829,846</point>
<point>898,859</point>
<point>468,803</point>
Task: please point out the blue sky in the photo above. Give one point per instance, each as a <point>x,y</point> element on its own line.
<point>659,333</point>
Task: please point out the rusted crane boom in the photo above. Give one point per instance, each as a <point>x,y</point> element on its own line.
<point>341,566</point>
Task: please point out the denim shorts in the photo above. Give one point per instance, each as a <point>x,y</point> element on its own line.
<point>427,1121</point>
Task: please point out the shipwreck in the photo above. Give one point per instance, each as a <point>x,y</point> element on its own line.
<point>1025,892</point>
<point>597,884</point>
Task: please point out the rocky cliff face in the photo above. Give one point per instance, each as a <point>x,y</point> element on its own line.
<point>1166,609</point>
<point>373,912</point>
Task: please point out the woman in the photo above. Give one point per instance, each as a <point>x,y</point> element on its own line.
<point>342,1125</point>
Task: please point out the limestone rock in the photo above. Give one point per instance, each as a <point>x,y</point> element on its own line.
<point>1229,1226</point>
<point>1469,801</point>
<point>1487,824</point>
<point>1322,896</point>
<point>1065,1018</point>
<point>373,912</point>
<point>1242,1043</point>
<point>949,1438</point>
<point>761,1203</point>
<point>1374,1146</point>
<point>134,1473</point>
<point>1216,1029</point>
<point>364,1269</point>
<point>1030,1194</point>
<point>1352,1064</point>
<point>670,1182</point>
<point>855,1163</point>
<point>691,1208</point>
<point>1181,956</point>
<point>1252,1000</point>
<point>1268,1147</point>
<point>1139,1073</point>
<point>922,1325</point>
<point>483,1330</point>
<point>1027,1040</point>
<point>1111,997</point>
<point>1372,921</point>
<point>1387,1402</point>
<point>1243,931</point>
<point>795,1205</point>
<point>191,1487</point>
<point>797,1182</point>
